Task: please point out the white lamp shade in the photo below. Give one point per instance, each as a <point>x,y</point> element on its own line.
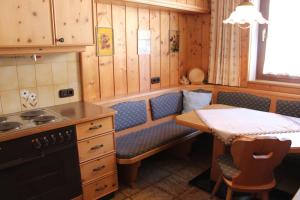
<point>245,13</point>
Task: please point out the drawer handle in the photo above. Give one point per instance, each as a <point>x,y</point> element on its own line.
<point>101,189</point>
<point>99,168</point>
<point>95,127</point>
<point>99,146</point>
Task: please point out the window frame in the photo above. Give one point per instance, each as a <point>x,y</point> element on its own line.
<point>261,49</point>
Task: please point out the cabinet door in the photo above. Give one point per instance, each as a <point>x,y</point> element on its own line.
<point>73,22</point>
<point>25,23</point>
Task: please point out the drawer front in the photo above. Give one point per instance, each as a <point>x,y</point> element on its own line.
<point>96,147</point>
<point>93,128</point>
<point>97,168</point>
<point>100,188</point>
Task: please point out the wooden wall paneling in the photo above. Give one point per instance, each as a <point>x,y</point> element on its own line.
<point>182,44</point>
<point>181,1</point>
<point>199,3</point>
<point>133,76</point>
<point>144,60</point>
<point>194,41</point>
<point>165,59</point>
<point>174,57</point>
<point>120,68</point>
<point>90,75</point>
<point>155,46</point>
<point>106,70</point>
<point>191,2</point>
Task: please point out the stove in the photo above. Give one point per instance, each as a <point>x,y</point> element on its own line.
<point>28,119</point>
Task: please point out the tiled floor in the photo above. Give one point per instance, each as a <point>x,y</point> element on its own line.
<point>164,177</point>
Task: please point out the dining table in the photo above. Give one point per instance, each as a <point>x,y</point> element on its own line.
<point>192,119</point>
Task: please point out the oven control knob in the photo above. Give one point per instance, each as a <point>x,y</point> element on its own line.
<point>68,135</point>
<point>36,143</point>
<point>45,141</point>
<point>53,139</point>
<point>61,138</point>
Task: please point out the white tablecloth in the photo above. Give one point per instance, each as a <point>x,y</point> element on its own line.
<point>227,124</point>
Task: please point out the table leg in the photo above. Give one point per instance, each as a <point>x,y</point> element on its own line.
<point>218,149</point>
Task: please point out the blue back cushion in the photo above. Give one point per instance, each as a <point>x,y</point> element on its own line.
<point>165,105</point>
<point>244,100</point>
<point>289,108</point>
<point>130,114</point>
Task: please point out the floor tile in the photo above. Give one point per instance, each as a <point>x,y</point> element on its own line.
<point>152,193</point>
<point>119,196</point>
<point>173,184</point>
<point>194,194</point>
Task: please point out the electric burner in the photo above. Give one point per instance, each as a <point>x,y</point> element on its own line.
<point>43,119</point>
<point>3,119</point>
<point>32,114</point>
<point>7,126</point>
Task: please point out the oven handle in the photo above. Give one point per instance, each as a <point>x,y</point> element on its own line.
<point>19,161</point>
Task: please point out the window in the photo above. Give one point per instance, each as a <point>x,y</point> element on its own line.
<point>278,56</point>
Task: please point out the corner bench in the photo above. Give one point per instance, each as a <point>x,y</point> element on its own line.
<point>138,145</point>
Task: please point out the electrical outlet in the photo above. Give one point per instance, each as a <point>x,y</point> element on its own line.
<point>66,93</point>
<point>155,80</point>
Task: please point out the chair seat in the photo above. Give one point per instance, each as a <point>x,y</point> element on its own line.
<point>136,143</point>
<point>229,170</point>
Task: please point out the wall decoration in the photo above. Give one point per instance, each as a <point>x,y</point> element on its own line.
<point>28,99</point>
<point>174,41</point>
<point>104,41</point>
<point>144,42</point>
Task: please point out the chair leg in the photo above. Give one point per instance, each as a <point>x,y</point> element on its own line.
<point>229,193</point>
<point>265,195</point>
<point>217,186</point>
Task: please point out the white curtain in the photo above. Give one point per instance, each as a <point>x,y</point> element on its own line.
<point>224,61</point>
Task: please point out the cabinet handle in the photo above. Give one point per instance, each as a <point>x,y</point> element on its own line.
<point>62,40</point>
<point>101,189</point>
<point>95,127</point>
<point>99,168</point>
<point>97,147</point>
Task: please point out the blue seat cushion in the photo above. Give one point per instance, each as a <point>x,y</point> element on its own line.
<point>289,108</point>
<point>166,105</point>
<point>130,114</point>
<point>244,100</point>
<point>139,142</point>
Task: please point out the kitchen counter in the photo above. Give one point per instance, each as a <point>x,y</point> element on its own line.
<point>74,113</point>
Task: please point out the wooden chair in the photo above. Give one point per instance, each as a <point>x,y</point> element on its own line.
<point>250,168</point>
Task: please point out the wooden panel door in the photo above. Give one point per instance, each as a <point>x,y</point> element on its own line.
<point>73,22</point>
<point>25,23</point>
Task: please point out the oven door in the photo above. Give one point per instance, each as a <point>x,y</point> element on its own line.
<point>55,176</point>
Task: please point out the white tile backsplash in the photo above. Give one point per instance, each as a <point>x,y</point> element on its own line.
<point>45,77</point>
<point>26,76</point>
<point>8,78</point>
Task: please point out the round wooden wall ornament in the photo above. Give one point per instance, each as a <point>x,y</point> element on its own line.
<point>196,76</point>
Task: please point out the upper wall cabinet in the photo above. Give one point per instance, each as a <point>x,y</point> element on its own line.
<point>73,22</point>
<point>46,23</point>
<point>25,23</point>
<point>188,6</point>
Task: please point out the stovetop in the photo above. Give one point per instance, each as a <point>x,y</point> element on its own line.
<point>28,119</point>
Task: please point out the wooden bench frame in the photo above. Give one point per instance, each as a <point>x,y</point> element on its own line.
<point>128,167</point>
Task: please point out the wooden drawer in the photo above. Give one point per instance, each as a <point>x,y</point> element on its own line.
<point>93,128</point>
<point>95,147</point>
<point>98,167</point>
<point>100,188</point>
